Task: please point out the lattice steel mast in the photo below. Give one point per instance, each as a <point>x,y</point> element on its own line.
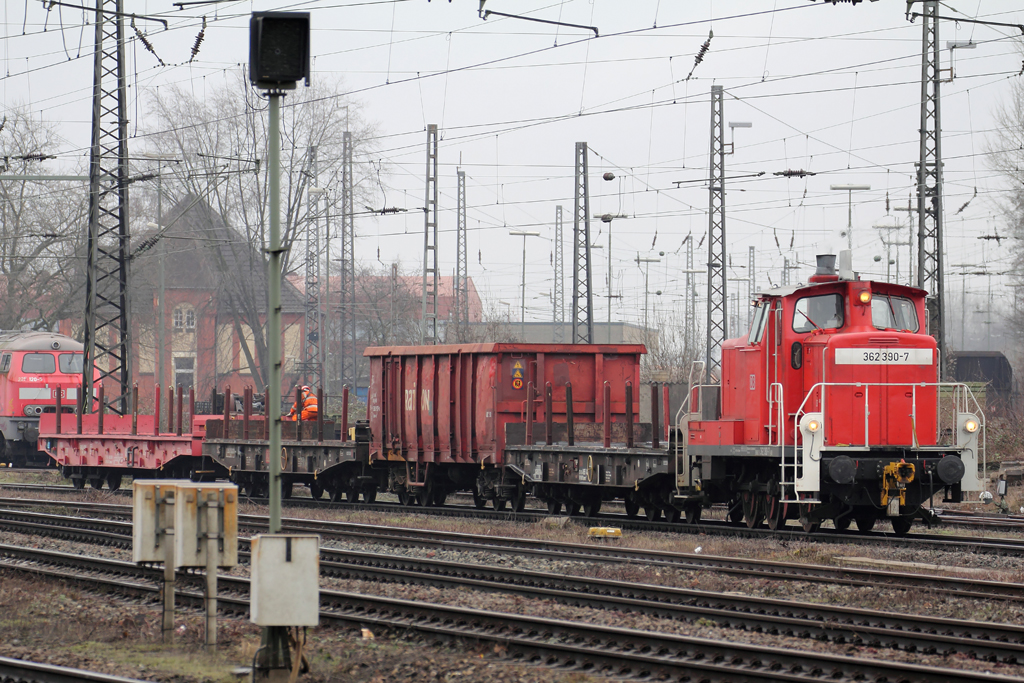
<point>751,286</point>
<point>311,368</point>
<point>347,331</point>
<point>461,262</point>
<point>691,300</point>
<point>107,343</point>
<point>929,183</point>
<point>428,320</point>
<point>717,323</point>
<point>582,292</point>
<point>558,295</point>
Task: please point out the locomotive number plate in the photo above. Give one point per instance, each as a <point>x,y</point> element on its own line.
<point>889,356</point>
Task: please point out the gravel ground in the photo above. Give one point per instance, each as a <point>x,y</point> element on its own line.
<point>108,634</point>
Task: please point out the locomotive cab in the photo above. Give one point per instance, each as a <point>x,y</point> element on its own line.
<point>831,408</point>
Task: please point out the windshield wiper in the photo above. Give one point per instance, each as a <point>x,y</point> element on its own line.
<point>816,326</point>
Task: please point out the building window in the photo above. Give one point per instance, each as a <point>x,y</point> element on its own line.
<point>184,318</point>
<point>185,371</point>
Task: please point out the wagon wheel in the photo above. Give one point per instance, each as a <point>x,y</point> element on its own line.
<point>692,514</point>
<point>842,523</point>
<point>499,504</point>
<point>286,489</point>
<point>808,525</point>
<point>554,506</point>
<point>652,513</point>
<point>351,495</point>
<point>865,524</point>
<point>592,508</point>
<point>405,497</point>
<point>114,482</point>
<point>632,507</point>
<point>573,508</point>
<point>437,500</point>
<point>776,511</point>
<point>519,502</point>
<point>672,514</point>
<point>370,495</point>
<point>96,482</point>
<point>78,483</point>
<point>337,493</point>
<point>753,509</point>
<point>316,491</point>
<point>424,496</point>
<point>901,525</point>
<point>479,502</point>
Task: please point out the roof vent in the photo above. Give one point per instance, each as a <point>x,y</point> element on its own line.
<point>826,271</point>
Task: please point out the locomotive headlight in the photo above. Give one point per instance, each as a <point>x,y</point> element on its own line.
<point>813,425</point>
<point>971,425</point>
<point>29,410</point>
<point>865,297</point>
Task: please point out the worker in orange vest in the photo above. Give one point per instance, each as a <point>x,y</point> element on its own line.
<point>309,406</point>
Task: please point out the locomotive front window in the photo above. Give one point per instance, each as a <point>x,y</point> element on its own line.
<point>71,363</point>
<point>818,313</point>
<point>893,313</point>
<point>757,327</point>
<point>39,363</point>
<point>5,362</point>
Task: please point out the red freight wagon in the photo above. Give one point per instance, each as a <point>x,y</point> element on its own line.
<point>444,405</point>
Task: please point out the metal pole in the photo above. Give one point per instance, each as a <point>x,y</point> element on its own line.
<point>558,295</point>
<point>212,534</point>
<point>428,321</point>
<point>161,312</point>
<point>274,321</point>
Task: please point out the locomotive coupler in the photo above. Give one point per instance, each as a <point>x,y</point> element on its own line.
<point>895,478</point>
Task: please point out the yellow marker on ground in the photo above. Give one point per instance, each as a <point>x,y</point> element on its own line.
<point>604,532</point>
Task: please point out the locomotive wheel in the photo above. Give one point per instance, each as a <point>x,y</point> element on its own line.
<point>736,512</point>
<point>114,482</point>
<point>592,508</point>
<point>901,525</point>
<point>369,495</point>
<point>753,509</point>
<point>479,502</point>
<point>865,524</point>
<point>842,523</point>
<point>672,514</point>
<point>316,491</point>
<point>776,512</point>
<point>693,514</point>
<point>351,495</point>
<point>632,507</point>
<point>554,506</point>
<point>805,520</point>
<point>96,482</point>
<point>652,513</point>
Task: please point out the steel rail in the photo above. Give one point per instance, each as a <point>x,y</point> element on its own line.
<point>998,642</point>
<point>21,671</point>
<point>540,641</point>
<point>119,535</point>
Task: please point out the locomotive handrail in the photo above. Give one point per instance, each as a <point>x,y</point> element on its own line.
<point>682,436</point>
<point>962,398</point>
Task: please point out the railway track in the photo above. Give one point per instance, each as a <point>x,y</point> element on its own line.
<point>596,649</point>
<point>20,671</point>
<point>996,642</point>
<point>118,533</point>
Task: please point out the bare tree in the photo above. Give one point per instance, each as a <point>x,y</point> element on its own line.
<point>42,226</point>
<point>221,141</point>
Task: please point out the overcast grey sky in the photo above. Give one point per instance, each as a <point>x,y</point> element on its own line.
<point>833,89</point>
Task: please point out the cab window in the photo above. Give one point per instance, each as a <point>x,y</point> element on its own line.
<point>71,363</point>
<point>38,363</point>
<point>818,313</point>
<point>893,313</point>
<point>5,362</point>
<point>760,322</point>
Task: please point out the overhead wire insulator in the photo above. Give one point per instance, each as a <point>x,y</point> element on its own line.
<point>145,42</point>
<point>700,53</point>
<point>199,41</point>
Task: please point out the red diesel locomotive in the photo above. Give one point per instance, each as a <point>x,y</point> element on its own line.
<point>34,366</point>
<point>829,409</point>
